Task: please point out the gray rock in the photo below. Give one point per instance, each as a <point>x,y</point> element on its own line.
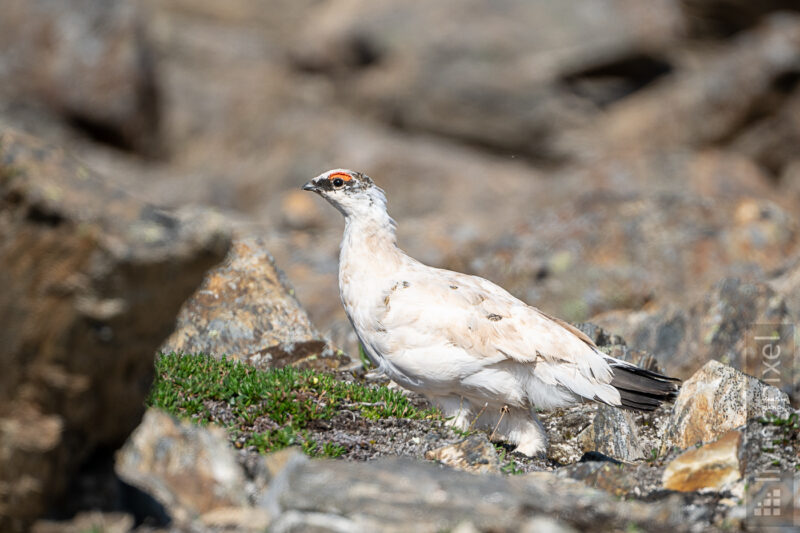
<point>721,326</point>
<point>618,479</point>
<point>246,309</point>
<point>623,435</point>
<point>298,522</point>
<point>543,524</point>
<point>92,281</point>
<point>403,495</point>
<point>614,432</point>
<point>787,282</point>
<point>89,61</point>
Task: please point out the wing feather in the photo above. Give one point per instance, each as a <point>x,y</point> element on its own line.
<point>448,308</point>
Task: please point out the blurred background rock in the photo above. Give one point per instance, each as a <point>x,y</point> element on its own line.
<point>590,156</point>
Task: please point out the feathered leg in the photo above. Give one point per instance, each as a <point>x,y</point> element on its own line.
<point>517,426</point>
<point>457,410</point>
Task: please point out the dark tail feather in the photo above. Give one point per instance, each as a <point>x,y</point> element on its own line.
<point>642,389</point>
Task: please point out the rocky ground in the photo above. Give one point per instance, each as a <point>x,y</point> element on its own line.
<point>632,166</point>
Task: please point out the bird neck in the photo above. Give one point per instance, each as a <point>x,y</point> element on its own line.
<point>375,230</point>
<point>370,242</point>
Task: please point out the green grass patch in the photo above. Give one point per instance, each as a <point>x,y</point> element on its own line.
<point>792,422</point>
<point>507,464</point>
<point>286,401</point>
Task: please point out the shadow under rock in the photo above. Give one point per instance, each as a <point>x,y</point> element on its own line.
<point>96,487</point>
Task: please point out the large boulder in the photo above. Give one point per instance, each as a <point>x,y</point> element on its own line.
<point>89,61</point>
<point>246,309</point>
<point>92,282</point>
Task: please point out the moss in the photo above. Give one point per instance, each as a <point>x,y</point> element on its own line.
<point>285,401</point>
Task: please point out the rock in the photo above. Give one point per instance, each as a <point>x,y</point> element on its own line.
<point>246,309</point>
<point>237,519</point>
<point>609,250</point>
<point>191,470</point>
<point>770,447</point>
<point>296,522</point>
<point>404,495</point>
<point>543,524</point>
<point>88,521</point>
<point>614,433</point>
<point>87,60</point>
<point>722,326</point>
<point>621,434</point>
<point>787,283</point>
<point>720,18</point>
<point>724,88</point>
<point>92,282</point>
<point>509,77</point>
<point>615,478</point>
<point>712,466</point>
<point>277,461</point>
<point>717,399</point>
<point>563,428</point>
<point>769,140</point>
<point>473,454</point>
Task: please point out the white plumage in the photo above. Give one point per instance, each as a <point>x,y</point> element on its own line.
<point>486,358</point>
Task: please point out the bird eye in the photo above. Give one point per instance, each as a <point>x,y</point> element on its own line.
<point>338,182</point>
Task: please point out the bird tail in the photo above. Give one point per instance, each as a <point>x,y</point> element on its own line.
<point>640,389</point>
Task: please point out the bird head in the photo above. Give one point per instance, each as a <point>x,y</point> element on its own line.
<point>351,192</point>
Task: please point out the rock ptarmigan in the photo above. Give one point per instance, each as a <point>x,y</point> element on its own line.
<point>484,357</point>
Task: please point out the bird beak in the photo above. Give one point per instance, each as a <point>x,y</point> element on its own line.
<point>310,186</point>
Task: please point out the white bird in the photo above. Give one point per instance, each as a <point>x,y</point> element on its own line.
<point>484,357</point>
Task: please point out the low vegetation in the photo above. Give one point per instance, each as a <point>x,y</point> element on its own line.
<point>272,409</point>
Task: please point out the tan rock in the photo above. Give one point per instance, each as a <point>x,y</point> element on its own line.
<point>190,469</point>
<point>711,466</point>
<point>276,461</point>
<point>237,519</point>
<point>246,309</point>
<point>717,399</point>
<point>473,454</point>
